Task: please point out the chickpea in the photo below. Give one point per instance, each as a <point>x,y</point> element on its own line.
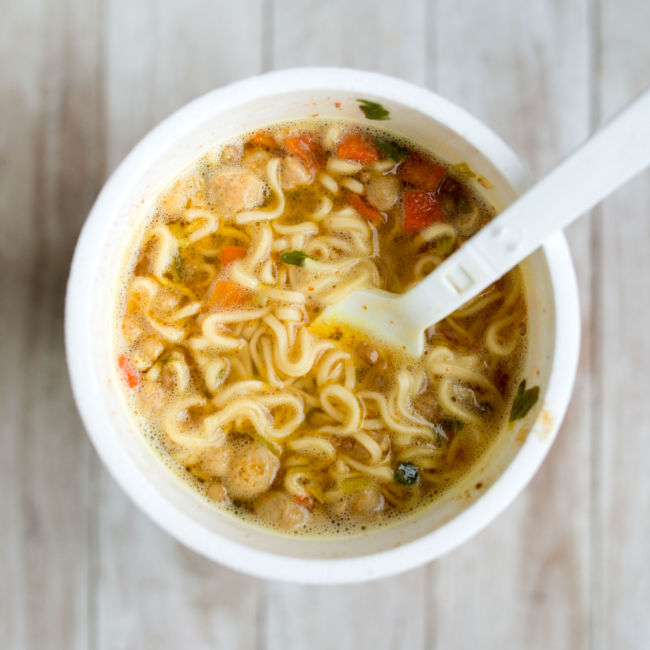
<point>383,191</point>
<point>150,349</point>
<point>151,399</point>
<point>131,329</point>
<point>252,472</point>
<point>232,152</point>
<point>217,492</point>
<point>166,301</point>
<point>183,190</point>
<point>366,502</point>
<point>215,461</point>
<point>280,509</point>
<point>256,160</point>
<point>293,173</point>
<point>231,190</point>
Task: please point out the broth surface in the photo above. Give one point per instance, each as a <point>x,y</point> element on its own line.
<point>264,416</point>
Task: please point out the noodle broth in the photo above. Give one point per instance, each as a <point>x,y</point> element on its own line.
<point>301,430</point>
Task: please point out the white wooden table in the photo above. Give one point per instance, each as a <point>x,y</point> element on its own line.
<point>567,566</point>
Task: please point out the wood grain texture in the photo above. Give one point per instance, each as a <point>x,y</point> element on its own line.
<point>149,591</point>
<point>565,567</point>
<point>387,37</point>
<point>622,531</point>
<point>526,74</point>
<point>51,173</point>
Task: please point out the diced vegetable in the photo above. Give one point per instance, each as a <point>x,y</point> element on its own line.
<point>421,209</point>
<point>307,149</point>
<point>131,375</point>
<point>355,146</point>
<point>421,173</point>
<point>365,210</point>
<point>264,139</point>
<point>297,258</point>
<point>463,169</point>
<point>179,267</point>
<point>524,401</point>
<point>391,149</point>
<point>305,502</point>
<point>231,253</point>
<point>228,293</point>
<point>373,110</point>
<point>444,246</point>
<point>354,484</point>
<point>407,474</point>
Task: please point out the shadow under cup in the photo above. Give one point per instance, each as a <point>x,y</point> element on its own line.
<point>492,483</point>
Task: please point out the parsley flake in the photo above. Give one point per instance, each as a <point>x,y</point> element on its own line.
<point>391,149</point>
<point>407,474</point>
<point>297,258</point>
<point>524,400</point>
<point>373,110</point>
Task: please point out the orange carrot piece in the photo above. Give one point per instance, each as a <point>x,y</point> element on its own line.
<point>263,139</point>
<point>421,173</point>
<point>307,149</point>
<point>131,375</point>
<point>231,253</point>
<point>306,502</point>
<point>365,210</point>
<point>355,146</point>
<point>421,209</point>
<point>228,293</point>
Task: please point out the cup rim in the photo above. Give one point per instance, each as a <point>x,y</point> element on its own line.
<point>85,385</point>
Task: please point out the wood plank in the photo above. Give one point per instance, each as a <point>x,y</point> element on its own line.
<point>381,36</point>
<point>622,576</point>
<point>50,94</point>
<point>150,590</point>
<point>513,66</point>
<point>390,613</point>
<point>523,582</point>
<point>382,615</point>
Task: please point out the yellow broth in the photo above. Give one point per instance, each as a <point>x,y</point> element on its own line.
<point>304,433</point>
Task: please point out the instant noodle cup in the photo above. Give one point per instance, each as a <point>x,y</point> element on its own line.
<point>94,287</point>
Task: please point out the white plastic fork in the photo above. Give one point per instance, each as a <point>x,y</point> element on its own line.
<point>616,153</point>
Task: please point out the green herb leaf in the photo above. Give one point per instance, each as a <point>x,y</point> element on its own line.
<point>407,474</point>
<point>297,258</point>
<point>524,401</point>
<point>373,110</point>
<point>391,149</point>
<point>179,267</point>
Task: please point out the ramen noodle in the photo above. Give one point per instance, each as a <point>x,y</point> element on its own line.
<point>303,429</point>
